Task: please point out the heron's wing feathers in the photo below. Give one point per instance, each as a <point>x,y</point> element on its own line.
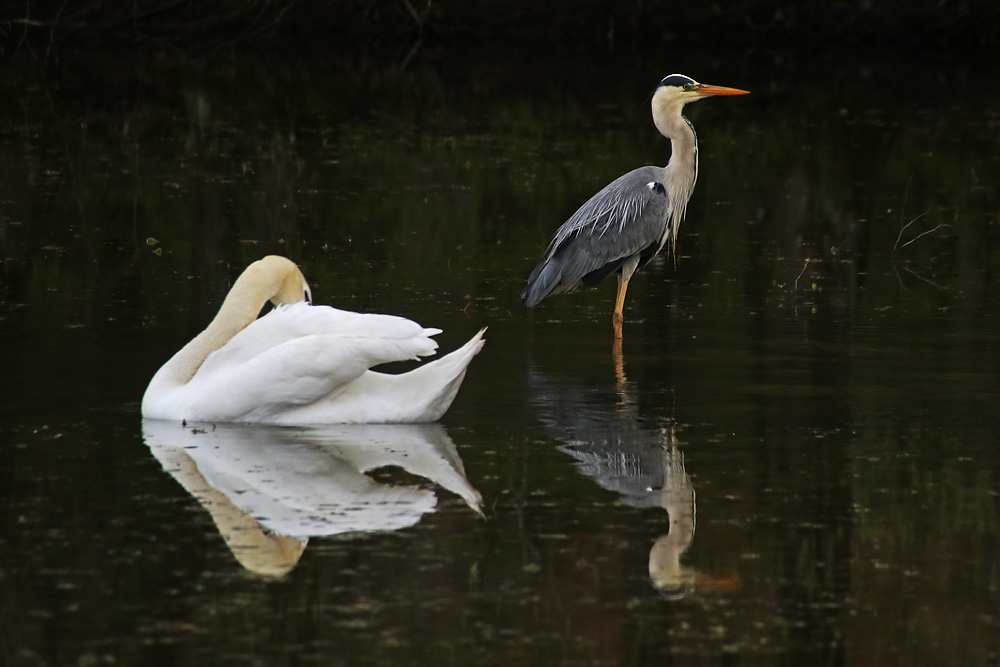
<point>623,219</point>
<point>626,218</point>
<point>617,209</point>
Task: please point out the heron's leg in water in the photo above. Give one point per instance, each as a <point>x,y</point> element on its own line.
<point>628,268</point>
<point>619,317</point>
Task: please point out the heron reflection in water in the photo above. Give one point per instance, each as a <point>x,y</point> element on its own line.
<point>625,225</point>
<point>270,488</point>
<point>638,460</point>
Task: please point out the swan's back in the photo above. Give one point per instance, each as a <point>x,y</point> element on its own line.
<point>303,364</point>
<point>288,323</point>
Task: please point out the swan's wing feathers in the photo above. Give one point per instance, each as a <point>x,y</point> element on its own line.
<point>301,371</point>
<point>288,323</point>
<point>327,319</point>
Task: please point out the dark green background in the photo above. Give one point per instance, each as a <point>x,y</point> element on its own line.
<point>832,385</point>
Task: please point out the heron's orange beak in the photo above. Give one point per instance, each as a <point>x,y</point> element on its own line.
<point>706,90</point>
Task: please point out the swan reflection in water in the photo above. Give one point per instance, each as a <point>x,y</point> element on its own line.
<point>270,488</point>
<point>638,460</point>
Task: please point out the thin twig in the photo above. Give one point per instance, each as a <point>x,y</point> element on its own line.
<point>902,229</point>
<point>418,19</point>
<point>929,231</point>
<point>800,273</point>
<point>52,32</point>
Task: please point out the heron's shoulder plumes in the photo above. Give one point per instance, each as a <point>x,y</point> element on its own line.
<point>617,205</point>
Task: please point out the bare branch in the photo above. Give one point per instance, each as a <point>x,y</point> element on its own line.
<point>929,231</point>
<point>902,229</point>
<point>800,273</point>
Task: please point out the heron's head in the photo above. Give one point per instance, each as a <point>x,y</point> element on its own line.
<point>676,90</point>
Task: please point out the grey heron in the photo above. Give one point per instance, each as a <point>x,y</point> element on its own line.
<point>625,225</point>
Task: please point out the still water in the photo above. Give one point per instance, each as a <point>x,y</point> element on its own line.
<point>794,459</point>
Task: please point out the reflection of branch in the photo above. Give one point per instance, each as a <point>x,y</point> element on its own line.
<point>917,276</point>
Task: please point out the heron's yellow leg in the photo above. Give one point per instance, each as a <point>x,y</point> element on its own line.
<point>619,317</point>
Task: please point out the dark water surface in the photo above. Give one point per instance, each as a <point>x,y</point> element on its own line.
<point>794,460</point>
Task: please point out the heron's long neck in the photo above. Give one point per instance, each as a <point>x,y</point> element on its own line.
<point>681,172</point>
<point>684,153</point>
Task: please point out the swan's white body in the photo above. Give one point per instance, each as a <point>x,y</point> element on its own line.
<point>303,364</point>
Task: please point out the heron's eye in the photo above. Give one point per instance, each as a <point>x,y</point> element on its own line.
<point>689,87</point>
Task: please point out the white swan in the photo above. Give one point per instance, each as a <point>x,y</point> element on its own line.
<point>303,364</point>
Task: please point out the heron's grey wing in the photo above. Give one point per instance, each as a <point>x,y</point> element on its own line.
<point>627,218</point>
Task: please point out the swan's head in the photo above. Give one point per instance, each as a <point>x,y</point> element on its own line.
<point>279,280</point>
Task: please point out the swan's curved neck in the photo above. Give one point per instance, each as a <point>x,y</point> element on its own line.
<point>272,278</point>
<point>237,312</point>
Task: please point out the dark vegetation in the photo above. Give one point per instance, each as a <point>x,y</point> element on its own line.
<point>190,28</point>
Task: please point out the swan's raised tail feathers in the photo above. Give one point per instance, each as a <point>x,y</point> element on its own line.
<point>423,394</point>
<point>449,370</point>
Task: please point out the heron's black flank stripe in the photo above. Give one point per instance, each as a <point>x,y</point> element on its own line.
<point>648,253</point>
<point>597,275</point>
